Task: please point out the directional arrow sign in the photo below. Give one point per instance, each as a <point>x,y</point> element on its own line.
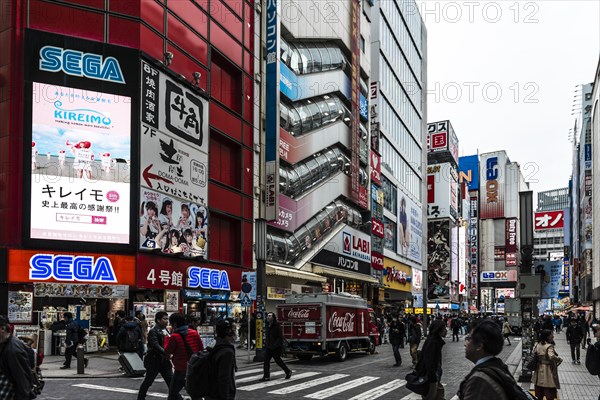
<point>147,175</point>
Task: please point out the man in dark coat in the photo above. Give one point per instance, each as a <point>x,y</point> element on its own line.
<point>223,363</point>
<point>574,337</point>
<point>15,364</point>
<point>430,362</point>
<point>124,343</point>
<point>156,360</point>
<point>396,340</point>
<point>273,348</point>
<point>482,345</point>
<point>414,338</point>
<point>72,339</point>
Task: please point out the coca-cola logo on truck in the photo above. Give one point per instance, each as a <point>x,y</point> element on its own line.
<point>342,323</point>
<point>298,314</point>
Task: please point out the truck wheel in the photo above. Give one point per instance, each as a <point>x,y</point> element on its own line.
<point>371,347</point>
<point>341,353</point>
<point>304,357</point>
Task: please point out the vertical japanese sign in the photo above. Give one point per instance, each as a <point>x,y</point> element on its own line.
<point>357,192</point>
<point>493,171</point>
<point>80,99</point>
<point>511,242</point>
<point>174,166</point>
<point>272,112</point>
<point>474,243</point>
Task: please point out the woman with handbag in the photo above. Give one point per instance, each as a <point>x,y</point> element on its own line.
<point>428,372</point>
<point>545,376</point>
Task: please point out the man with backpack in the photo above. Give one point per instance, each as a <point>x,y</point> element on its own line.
<point>129,338</point>
<point>156,360</point>
<point>490,377</point>
<point>414,338</point>
<point>182,343</point>
<point>218,383</point>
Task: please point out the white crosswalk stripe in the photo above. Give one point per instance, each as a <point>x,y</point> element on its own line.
<point>309,384</point>
<point>256,377</point>
<point>118,390</point>
<point>380,391</point>
<point>248,371</point>
<point>414,396</point>
<point>323,394</point>
<point>276,382</point>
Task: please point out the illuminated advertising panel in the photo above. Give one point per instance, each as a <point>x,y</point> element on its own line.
<point>442,191</point>
<point>79,117</point>
<point>474,244</point>
<point>468,171</point>
<point>79,191</point>
<point>493,172</point>
<point>410,228</point>
<point>357,191</point>
<point>438,259</point>
<point>462,260</point>
<point>350,250</point>
<point>174,138</point>
<point>171,226</point>
<point>511,242</point>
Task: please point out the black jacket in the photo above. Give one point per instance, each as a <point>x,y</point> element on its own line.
<point>430,361</point>
<point>395,336</point>
<point>72,333</point>
<point>156,343</point>
<point>575,333</point>
<point>224,364</point>
<point>15,364</point>
<point>122,335</point>
<point>274,337</point>
<point>414,333</point>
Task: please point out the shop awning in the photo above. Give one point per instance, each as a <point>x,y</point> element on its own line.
<point>338,273</point>
<point>294,273</point>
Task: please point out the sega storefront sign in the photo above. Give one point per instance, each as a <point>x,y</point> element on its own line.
<point>207,278</point>
<point>39,266</point>
<point>349,250</point>
<point>79,113</point>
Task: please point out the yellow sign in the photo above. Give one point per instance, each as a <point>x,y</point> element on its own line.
<point>416,311</point>
<point>397,276</point>
<point>259,333</point>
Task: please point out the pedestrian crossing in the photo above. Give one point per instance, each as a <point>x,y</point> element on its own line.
<point>312,384</point>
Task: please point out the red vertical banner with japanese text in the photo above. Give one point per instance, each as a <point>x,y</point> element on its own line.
<point>358,192</point>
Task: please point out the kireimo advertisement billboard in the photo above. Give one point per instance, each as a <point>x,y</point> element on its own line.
<point>80,113</point>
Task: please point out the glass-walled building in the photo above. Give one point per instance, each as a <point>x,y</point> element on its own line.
<point>398,84</point>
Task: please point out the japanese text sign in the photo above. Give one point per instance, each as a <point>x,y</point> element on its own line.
<point>549,220</point>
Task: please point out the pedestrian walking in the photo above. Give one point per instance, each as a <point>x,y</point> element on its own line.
<point>574,337</point>
<point>253,331</point>
<point>16,379</point>
<point>482,345</point>
<point>156,360</point>
<point>402,329</point>
<point>273,348</point>
<point>455,325</point>
<point>506,331</point>
<point>430,361</point>
<point>396,340</point>
<point>182,343</point>
<point>414,338</point>
<point>243,330</point>
<point>545,377</point>
<point>129,338</point>
<point>223,363</point>
<point>141,320</point>
<point>71,340</point>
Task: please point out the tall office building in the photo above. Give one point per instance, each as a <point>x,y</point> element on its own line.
<point>398,121</point>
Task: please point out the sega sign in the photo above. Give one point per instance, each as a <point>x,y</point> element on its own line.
<point>71,268</point>
<point>78,63</point>
<point>208,278</point>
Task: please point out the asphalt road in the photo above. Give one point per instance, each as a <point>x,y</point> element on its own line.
<point>360,377</point>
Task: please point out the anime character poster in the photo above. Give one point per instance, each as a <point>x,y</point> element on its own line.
<point>438,259</point>
<point>171,226</point>
<point>80,191</point>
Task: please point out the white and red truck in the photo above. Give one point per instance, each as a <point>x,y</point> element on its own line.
<point>327,324</point>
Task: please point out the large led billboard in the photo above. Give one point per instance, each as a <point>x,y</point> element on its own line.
<point>81,145</point>
<point>80,108</point>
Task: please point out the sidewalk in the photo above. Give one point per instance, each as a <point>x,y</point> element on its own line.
<point>575,381</point>
<point>106,365</point>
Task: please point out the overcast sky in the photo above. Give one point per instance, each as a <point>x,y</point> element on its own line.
<point>504,73</point>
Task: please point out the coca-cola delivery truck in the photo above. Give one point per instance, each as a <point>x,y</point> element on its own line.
<point>327,324</point>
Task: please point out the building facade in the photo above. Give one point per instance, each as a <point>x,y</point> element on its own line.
<point>138,190</point>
